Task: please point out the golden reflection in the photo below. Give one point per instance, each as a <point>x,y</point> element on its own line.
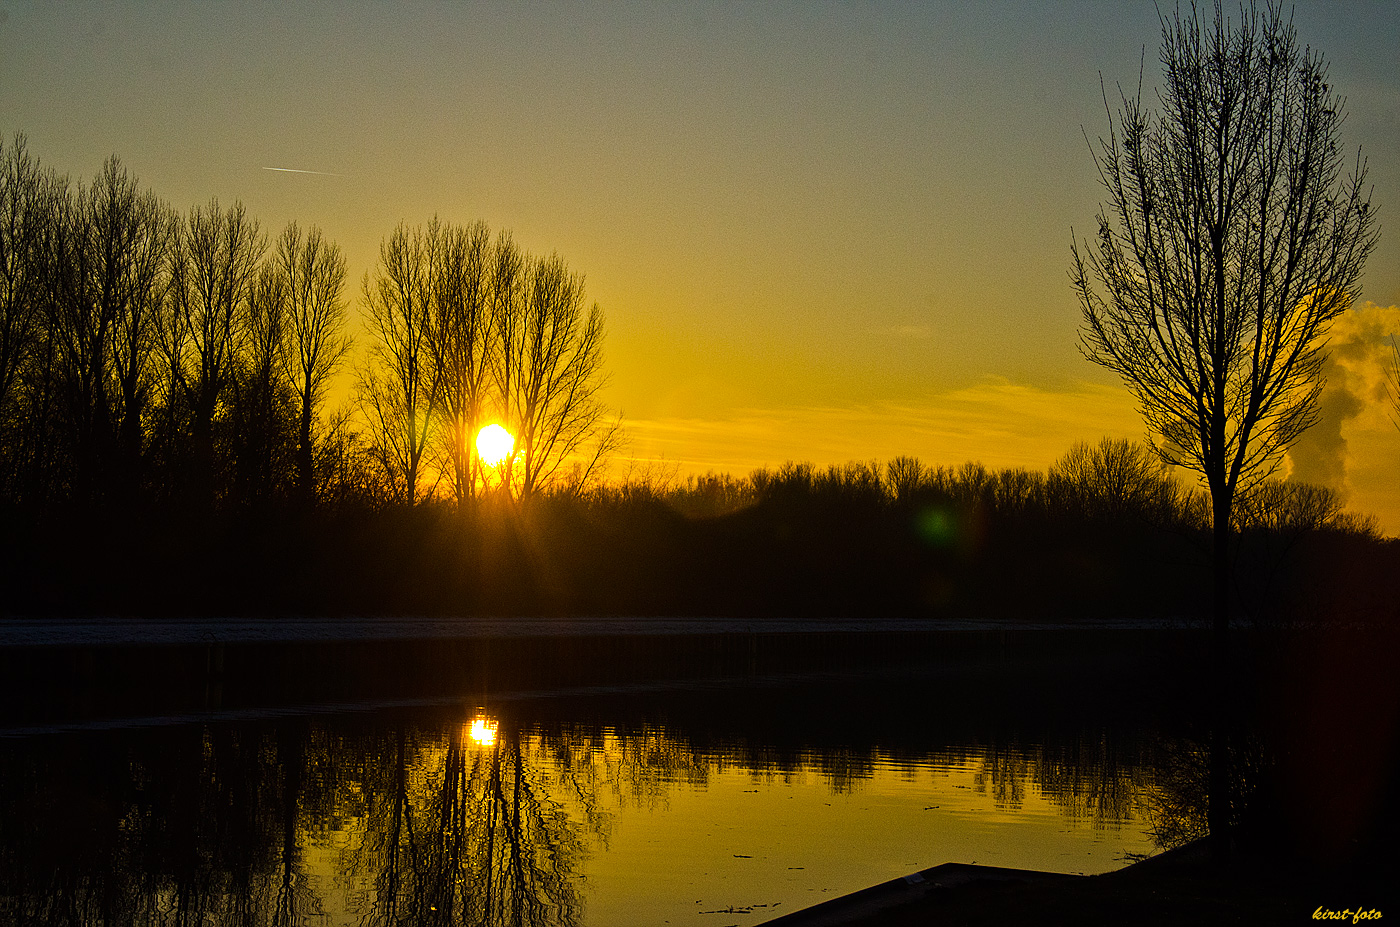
<point>477,821</point>
<point>483,731</point>
<point>494,444</point>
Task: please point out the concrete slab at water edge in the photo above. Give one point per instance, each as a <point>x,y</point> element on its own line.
<point>861,906</point>
<point>1183,885</point>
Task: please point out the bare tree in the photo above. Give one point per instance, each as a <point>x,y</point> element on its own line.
<point>1115,478</point>
<point>549,371</point>
<point>108,264</point>
<point>509,281</point>
<point>397,387</point>
<point>1233,235</point>
<point>78,323</point>
<point>22,209</point>
<point>103,261</point>
<point>460,272</point>
<point>213,273</point>
<point>313,271</point>
<point>1284,507</point>
<point>262,411</point>
<point>26,195</point>
<point>138,229</point>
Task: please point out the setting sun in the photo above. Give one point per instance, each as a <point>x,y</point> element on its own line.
<point>494,444</point>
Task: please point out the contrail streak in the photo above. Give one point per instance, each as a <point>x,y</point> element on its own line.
<point>293,170</point>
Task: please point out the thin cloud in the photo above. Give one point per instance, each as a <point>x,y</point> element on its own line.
<point>997,422</point>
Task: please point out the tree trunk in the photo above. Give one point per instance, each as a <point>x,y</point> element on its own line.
<point>306,479</point>
<point>1218,801</point>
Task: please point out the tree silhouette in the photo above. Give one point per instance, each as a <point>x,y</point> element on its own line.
<point>1115,478</point>
<point>313,271</point>
<point>27,194</point>
<point>135,231</point>
<point>262,411</point>
<point>509,285</point>
<point>461,259</point>
<point>213,275</point>
<point>398,388</point>
<point>105,267</point>
<point>549,358</point>
<point>1232,237</point>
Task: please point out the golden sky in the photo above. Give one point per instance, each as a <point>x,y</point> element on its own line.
<point>818,231</point>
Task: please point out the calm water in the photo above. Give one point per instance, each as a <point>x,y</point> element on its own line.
<point>708,800</point>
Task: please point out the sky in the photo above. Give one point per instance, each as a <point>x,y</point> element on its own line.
<point>818,231</point>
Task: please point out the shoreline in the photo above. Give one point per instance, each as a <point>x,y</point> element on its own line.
<point>127,631</point>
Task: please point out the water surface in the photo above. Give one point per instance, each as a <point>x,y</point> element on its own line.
<point>700,799</point>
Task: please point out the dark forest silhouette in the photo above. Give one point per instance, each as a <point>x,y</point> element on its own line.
<point>1104,534</point>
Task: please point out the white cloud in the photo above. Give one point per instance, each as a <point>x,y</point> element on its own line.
<point>1355,446</point>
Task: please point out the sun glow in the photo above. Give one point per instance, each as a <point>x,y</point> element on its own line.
<point>494,444</point>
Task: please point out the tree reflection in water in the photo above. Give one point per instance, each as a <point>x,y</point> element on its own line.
<point>398,822</point>
<point>1087,778</point>
<point>1256,811</point>
<point>469,832</point>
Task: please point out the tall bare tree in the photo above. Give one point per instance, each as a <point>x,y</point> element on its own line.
<point>261,413</point>
<point>108,262</point>
<point>137,230</point>
<point>397,386</point>
<point>549,369</point>
<point>313,272</point>
<point>78,323</point>
<point>460,281</point>
<point>29,200</point>
<point>509,285</point>
<point>213,273</point>
<point>1233,234</point>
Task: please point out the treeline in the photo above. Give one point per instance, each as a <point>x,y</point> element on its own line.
<point>166,447</point>
<point>1104,533</point>
<point>156,359</point>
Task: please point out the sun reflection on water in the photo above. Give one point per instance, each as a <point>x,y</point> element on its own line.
<point>483,731</point>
